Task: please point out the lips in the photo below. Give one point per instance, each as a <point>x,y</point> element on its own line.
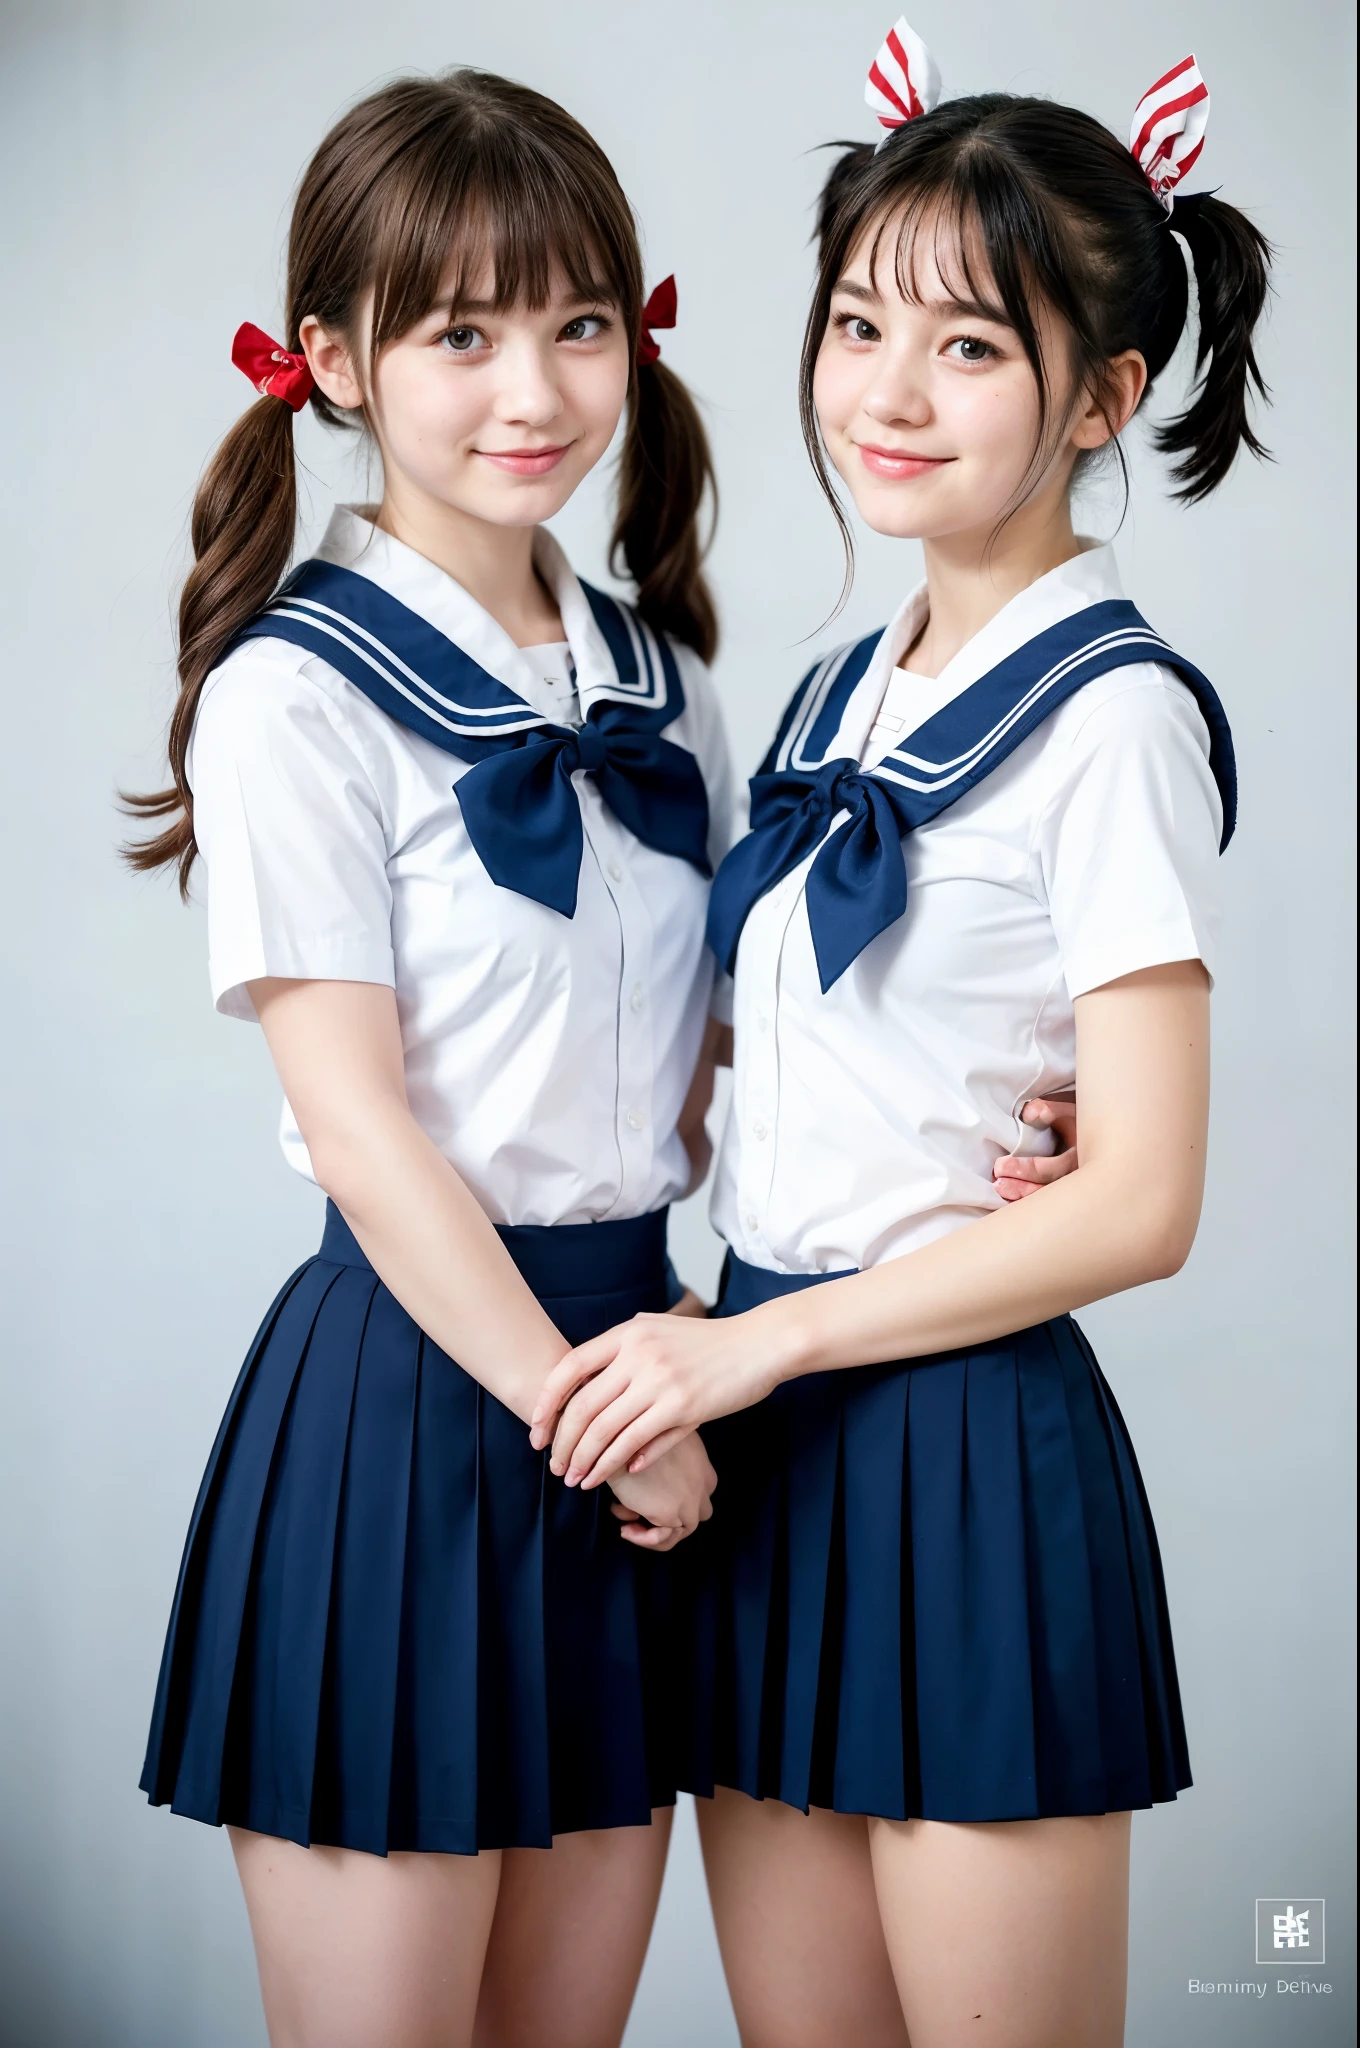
<point>897,465</point>
<point>524,461</point>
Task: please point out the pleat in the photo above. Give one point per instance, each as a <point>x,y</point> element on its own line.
<point>514,1779</point>
<point>212,1641</point>
<point>352,1796</point>
<point>1064,1652</point>
<point>810,1686</point>
<point>280,1684</point>
<point>172,1685</point>
<point>975,1721</point>
<point>1162,1724</point>
<point>434,1787</point>
<point>871,1719</point>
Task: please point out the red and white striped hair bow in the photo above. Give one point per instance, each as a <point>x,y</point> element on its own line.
<point>904,80</point>
<point>1168,128</point>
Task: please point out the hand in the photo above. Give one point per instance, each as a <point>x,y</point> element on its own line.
<point>1017,1176</point>
<point>660,1507</point>
<point>628,1397</point>
<point>689,1304</point>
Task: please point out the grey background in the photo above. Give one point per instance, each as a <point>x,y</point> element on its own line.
<point>149,155</point>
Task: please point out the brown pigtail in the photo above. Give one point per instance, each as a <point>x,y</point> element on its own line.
<point>664,472</point>
<point>245,512</point>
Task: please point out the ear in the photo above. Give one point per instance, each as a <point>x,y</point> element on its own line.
<point>1105,414</point>
<point>328,358</point>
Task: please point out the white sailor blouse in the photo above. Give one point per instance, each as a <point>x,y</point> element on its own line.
<point>937,868</point>
<point>386,789</point>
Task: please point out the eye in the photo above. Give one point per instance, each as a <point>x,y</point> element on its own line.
<point>855,328</point>
<point>971,349</point>
<point>585,327</point>
<point>463,341</point>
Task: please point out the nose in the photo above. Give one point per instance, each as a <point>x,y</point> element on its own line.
<point>527,393</point>
<point>898,394</point>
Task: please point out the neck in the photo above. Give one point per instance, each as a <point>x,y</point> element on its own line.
<point>493,564</point>
<point>971,576</point>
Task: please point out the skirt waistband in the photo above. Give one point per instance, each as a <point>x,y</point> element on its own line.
<point>744,1287</point>
<point>556,1260</point>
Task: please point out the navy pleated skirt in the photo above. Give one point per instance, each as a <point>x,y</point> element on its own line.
<point>394,1629</point>
<point>931,1589</point>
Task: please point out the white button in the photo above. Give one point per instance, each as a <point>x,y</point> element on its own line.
<point>750,1219</point>
<point>637,998</point>
<point>633,1120</point>
<point>759,1131</point>
<point>614,871</point>
<point>762,1022</point>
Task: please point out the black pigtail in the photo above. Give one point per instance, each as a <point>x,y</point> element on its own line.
<point>1231,259</point>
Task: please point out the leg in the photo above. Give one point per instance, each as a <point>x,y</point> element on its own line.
<point>798,1926</point>
<point>1011,1934</point>
<point>363,1951</point>
<point>569,1937</point>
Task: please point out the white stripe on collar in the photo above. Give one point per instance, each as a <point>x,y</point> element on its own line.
<point>1089,578</point>
<point>352,541</point>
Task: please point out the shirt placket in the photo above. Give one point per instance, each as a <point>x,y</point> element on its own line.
<point>757,1079</point>
<point>635,1128</point>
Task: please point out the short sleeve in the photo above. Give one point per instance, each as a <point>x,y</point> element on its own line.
<point>291,830</point>
<point>1128,841</point>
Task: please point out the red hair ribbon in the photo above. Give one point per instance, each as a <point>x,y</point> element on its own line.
<point>1168,128</point>
<point>904,79</point>
<point>659,311</point>
<point>275,372</point>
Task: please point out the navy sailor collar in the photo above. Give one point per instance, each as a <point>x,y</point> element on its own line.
<point>498,689</point>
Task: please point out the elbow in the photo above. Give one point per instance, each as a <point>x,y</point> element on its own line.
<point>1163,1243</point>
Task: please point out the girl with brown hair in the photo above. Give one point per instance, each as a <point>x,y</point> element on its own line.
<point>458,812</point>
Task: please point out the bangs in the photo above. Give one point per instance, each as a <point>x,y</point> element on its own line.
<point>977,223</point>
<point>494,212</point>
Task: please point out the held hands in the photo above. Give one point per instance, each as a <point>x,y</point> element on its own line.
<point>629,1397</point>
<point>1017,1177</point>
<point>660,1507</point>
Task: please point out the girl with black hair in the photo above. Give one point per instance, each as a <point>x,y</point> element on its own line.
<point>933,1668</point>
<point>458,812</point>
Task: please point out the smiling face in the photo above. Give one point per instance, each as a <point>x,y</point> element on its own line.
<point>495,415</point>
<point>926,400</point>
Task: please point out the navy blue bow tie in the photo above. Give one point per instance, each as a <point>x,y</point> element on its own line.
<point>857,885</point>
<point>524,820</point>
<point>517,799</point>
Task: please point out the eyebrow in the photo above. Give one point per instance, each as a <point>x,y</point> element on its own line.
<point>960,309</point>
<point>604,296</point>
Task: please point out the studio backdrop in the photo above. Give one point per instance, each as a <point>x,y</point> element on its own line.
<point>150,152</point>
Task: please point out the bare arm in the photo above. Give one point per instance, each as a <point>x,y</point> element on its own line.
<point>337,1047</point>
<point>1126,1215</point>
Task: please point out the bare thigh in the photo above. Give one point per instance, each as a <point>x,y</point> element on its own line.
<point>360,1951</point>
<point>797,1918</point>
<point>569,1937</point>
<point>1009,1934</point>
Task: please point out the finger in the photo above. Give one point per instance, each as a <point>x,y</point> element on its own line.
<point>585,1404</point>
<point>1011,1190</point>
<point>1051,1168</point>
<point>617,1508</point>
<point>650,1453</point>
<point>1052,1113</point>
<point>649,1538</point>
<point>597,1441</point>
<point>653,1420</point>
<point>566,1376</point>
<point>1016,1166</point>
